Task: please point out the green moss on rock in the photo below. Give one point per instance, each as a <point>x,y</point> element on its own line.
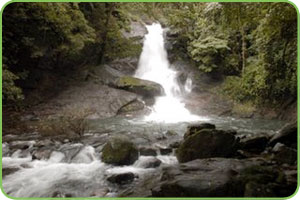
<point>206,143</point>
<point>119,151</point>
<point>142,87</point>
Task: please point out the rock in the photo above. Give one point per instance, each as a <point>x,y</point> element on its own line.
<point>147,151</point>
<point>8,171</point>
<point>262,181</point>
<point>192,129</point>
<point>219,177</point>
<point>165,151</point>
<point>133,106</point>
<point>151,163</point>
<point>104,74</point>
<point>41,154</point>
<point>139,86</point>
<point>123,178</point>
<point>127,66</point>
<point>206,143</point>
<point>171,133</point>
<point>70,151</point>
<point>284,154</point>
<point>119,150</point>
<point>287,135</point>
<point>255,144</point>
<point>202,178</point>
<point>174,145</point>
<point>137,29</point>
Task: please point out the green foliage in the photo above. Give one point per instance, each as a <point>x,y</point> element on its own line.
<point>118,46</point>
<point>10,92</point>
<point>54,38</point>
<point>254,43</point>
<point>251,86</point>
<point>208,52</point>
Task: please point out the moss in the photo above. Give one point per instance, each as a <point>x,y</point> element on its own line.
<point>119,151</point>
<point>262,175</point>
<point>129,81</point>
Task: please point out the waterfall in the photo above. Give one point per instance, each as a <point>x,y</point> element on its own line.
<point>154,66</point>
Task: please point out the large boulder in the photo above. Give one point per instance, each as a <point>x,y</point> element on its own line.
<point>119,150</point>
<point>287,135</point>
<point>142,87</point>
<point>219,177</point>
<point>207,143</point>
<point>194,128</point>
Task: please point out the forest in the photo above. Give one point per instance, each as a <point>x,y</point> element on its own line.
<point>178,87</point>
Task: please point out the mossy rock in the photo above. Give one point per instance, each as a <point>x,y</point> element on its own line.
<point>262,181</point>
<point>194,128</point>
<point>142,87</point>
<point>207,143</point>
<point>133,106</point>
<point>119,150</point>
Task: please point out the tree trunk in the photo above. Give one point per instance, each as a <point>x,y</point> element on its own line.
<point>243,51</point>
<point>109,9</point>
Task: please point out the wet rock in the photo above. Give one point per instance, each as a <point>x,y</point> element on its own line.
<point>202,178</point>
<point>41,154</point>
<point>287,135</point>
<point>119,150</point>
<point>206,143</point>
<point>165,151</point>
<point>151,163</point>
<point>171,133</point>
<point>133,106</point>
<point>70,151</point>
<point>147,151</point>
<point>219,177</point>
<point>255,144</point>
<point>100,192</point>
<point>8,171</point>
<point>192,129</point>
<point>139,86</point>
<point>123,178</point>
<point>23,145</point>
<point>284,154</point>
<point>174,145</point>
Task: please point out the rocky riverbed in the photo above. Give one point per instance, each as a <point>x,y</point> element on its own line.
<point>141,160</point>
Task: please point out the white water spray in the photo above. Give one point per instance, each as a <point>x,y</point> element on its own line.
<point>154,66</point>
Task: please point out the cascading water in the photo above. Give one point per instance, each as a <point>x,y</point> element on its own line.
<point>154,66</point>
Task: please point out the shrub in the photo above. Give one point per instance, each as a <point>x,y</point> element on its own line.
<point>73,120</point>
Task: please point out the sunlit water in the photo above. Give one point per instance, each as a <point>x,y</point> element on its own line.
<point>154,66</point>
